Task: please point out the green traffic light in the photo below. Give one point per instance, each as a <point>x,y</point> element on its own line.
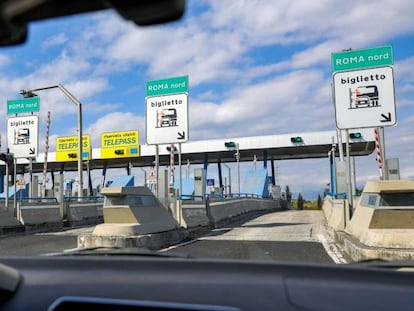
<point>296,139</point>
<point>355,135</point>
<point>230,144</point>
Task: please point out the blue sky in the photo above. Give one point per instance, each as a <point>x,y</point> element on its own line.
<point>255,68</point>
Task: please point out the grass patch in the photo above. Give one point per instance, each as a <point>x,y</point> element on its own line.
<point>307,205</point>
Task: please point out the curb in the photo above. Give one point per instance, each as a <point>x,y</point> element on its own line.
<point>361,252</point>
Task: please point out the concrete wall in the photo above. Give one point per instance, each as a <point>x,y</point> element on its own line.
<point>36,214</point>
<point>7,218</point>
<point>79,213</point>
<point>223,210</point>
<point>336,213</point>
<point>392,228</point>
<point>213,212</point>
<point>195,215</point>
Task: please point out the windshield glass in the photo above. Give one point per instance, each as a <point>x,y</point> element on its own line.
<point>259,130</point>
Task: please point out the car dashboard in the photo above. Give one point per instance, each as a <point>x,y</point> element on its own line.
<point>151,283</point>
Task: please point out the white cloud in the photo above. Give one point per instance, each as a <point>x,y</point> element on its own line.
<point>86,88</point>
<point>273,106</point>
<point>234,89</point>
<point>114,122</point>
<point>55,40</point>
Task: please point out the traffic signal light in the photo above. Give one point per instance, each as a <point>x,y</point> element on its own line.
<point>119,151</point>
<point>72,155</point>
<point>169,148</point>
<point>7,158</point>
<point>230,144</point>
<point>355,135</point>
<point>296,139</point>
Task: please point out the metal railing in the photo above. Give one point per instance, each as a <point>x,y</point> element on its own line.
<point>221,196</point>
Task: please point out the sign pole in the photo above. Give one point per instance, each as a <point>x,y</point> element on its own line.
<point>181,183</point>
<point>157,166</point>
<point>172,169</point>
<point>348,160</point>
<point>31,178</point>
<point>6,197</point>
<point>382,146</point>
<point>15,184</point>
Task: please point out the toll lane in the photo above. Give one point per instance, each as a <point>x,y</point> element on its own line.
<point>295,236</point>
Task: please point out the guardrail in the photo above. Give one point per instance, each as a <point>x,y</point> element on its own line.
<point>223,196</point>
<point>36,199</point>
<point>54,199</point>
<point>91,198</point>
<point>190,197</point>
<point>244,195</point>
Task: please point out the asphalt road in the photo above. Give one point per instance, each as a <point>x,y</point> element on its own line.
<point>292,236</point>
<point>25,244</point>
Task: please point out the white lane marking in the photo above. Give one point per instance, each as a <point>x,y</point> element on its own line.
<point>177,245</point>
<point>332,249</point>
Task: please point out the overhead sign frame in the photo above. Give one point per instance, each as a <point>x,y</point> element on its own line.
<point>23,136</point>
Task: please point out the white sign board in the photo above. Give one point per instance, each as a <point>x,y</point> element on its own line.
<point>23,136</point>
<point>364,98</point>
<point>167,119</point>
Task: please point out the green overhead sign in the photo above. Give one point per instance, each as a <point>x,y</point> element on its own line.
<point>23,105</point>
<point>360,59</point>
<point>167,86</point>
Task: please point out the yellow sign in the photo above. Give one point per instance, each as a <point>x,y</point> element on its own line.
<point>70,143</point>
<point>120,145</point>
<point>67,148</point>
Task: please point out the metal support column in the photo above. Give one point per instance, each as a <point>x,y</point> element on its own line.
<point>205,166</point>
<point>265,159</point>
<point>220,174</point>
<point>103,176</point>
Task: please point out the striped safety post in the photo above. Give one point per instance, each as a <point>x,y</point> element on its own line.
<point>46,147</point>
<point>172,165</point>
<point>378,148</point>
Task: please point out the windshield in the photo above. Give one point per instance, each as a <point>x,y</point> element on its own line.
<point>259,130</point>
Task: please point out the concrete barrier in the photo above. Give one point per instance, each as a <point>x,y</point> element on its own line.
<point>37,214</point>
<point>336,213</point>
<point>79,213</point>
<point>384,216</point>
<point>392,228</point>
<point>9,222</point>
<point>327,207</point>
<point>382,223</point>
<point>195,214</point>
<point>151,228</point>
<point>130,211</point>
<point>227,209</point>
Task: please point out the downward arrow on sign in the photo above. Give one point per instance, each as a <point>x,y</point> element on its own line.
<point>386,118</point>
<point>32,150</point>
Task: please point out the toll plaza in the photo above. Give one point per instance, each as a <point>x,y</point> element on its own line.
<point>266,149</point>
